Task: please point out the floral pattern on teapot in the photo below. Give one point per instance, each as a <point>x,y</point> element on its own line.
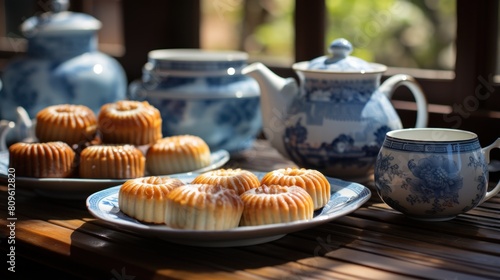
<point>334,118</point>
<point>350,116</point>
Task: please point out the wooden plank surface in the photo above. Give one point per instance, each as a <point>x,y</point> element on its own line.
<point>375,242</point>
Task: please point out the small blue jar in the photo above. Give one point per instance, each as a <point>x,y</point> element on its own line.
<point>62,65</point>
<point>202,93</point>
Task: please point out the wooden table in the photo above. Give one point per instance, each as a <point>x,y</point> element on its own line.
<point>59,239</point>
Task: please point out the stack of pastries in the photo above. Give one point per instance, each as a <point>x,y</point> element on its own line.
<point>227,198</point>
<point>75,142</point>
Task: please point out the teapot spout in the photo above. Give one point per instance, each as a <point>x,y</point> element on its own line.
<point>277,94</point>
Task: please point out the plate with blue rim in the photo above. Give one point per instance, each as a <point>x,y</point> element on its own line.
<point>80,188</point>
<point>346,197</point>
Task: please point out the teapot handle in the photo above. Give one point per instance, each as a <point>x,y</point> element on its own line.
<point>135,90</point>
<point>5,127</point>
<point>23,129</point>
<point>390,85</point>
<point>486,152</point>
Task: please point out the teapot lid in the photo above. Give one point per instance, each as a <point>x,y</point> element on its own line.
<point>59,20</point>
<point>339,60</point>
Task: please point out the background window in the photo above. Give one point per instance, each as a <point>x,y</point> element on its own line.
<point>264,29</point>
<point>14,13</point>
<point>401,33</point>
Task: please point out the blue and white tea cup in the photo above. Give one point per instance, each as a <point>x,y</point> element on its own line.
<point>433,174</point>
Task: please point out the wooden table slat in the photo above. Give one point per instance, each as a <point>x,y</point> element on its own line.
<point>374,242</point>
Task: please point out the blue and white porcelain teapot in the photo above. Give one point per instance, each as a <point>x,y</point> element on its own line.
<point>62,65</point>
<point>336,120</point>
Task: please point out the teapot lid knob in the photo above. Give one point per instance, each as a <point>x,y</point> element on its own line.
<point>59,20</point>
<point>340,60</point>
<point>58,6</point>
<point>340,48</point>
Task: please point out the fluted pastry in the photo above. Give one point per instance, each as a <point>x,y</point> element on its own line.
<point>42,160</point>
<point>276,204</point>
<point>203,207</point>
<point>313,181</point>
<point>145,198</point>
<point>129,122</point>
<point>176,154</point>
<point>237,179</point>
<point>111,162</point>
<point>68,123</point>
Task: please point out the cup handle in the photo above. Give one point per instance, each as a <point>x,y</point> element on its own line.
<point>486,152</point>
<point>390,85</point>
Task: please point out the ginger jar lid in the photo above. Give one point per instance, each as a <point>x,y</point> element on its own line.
<point>340,60</point>
<point>59,21</point>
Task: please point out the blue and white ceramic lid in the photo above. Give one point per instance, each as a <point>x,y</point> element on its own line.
<point>340,60</point>
<point>196,62</point>
<point>59,20</point>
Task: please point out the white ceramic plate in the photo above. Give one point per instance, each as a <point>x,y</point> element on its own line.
<point>346,197</point>
<point>76,188</point>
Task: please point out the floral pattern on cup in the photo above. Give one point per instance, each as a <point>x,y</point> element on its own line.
<point>432,180</point>
<point>439,186</point>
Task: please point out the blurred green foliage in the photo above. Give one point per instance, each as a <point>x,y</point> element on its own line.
<point>400,33</point>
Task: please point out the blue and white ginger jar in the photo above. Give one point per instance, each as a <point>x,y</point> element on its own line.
<point>62,65</point>
<point>203,93</point>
